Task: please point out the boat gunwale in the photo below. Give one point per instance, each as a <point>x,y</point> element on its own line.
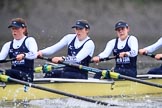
<point>63,80</point>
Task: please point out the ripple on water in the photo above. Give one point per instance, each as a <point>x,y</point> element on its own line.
<point>129,102</point>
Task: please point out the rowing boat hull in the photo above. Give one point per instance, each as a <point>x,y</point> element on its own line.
<point>92,87</point>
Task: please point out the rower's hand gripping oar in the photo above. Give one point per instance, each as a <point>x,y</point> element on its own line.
<point>107,72</point>
<point>5,78</point>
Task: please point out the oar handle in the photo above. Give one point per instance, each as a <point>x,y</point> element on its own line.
<point>7,60</point>
<point>108,58</point>
<point>151,55</point>
<point>105,59</point>
<point>45,58</point>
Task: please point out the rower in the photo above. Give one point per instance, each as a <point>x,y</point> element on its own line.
<point>80,50</point>
<point>23,49</point>
<point>150,49</point>
<point>125,48</point>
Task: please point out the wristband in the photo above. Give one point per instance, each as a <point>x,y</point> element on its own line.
<point>63,57</point>
<point>24,55</point>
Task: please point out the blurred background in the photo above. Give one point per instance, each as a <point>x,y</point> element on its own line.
<point>49,20</point>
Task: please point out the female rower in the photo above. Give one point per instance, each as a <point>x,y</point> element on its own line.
<point>23,48</point>
<point>80,50</point>
<point>125,48</point>
<point>150,49</point>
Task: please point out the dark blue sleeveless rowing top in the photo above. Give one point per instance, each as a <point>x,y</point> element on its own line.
<point>72,51</point>
<point>23,65</point>
<point>125,62</point>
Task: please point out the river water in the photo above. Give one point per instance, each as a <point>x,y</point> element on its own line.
<point>146,101</point>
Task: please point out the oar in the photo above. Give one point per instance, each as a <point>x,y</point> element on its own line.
<point>106,72</point>
<point>52,66</point>
<point>102,59</point>
<point>6,78</point>
<point>151,55</point>
<point>7,60</point>
<point>105,59</point>
<point>117,75</point>
<point>112,74</point>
